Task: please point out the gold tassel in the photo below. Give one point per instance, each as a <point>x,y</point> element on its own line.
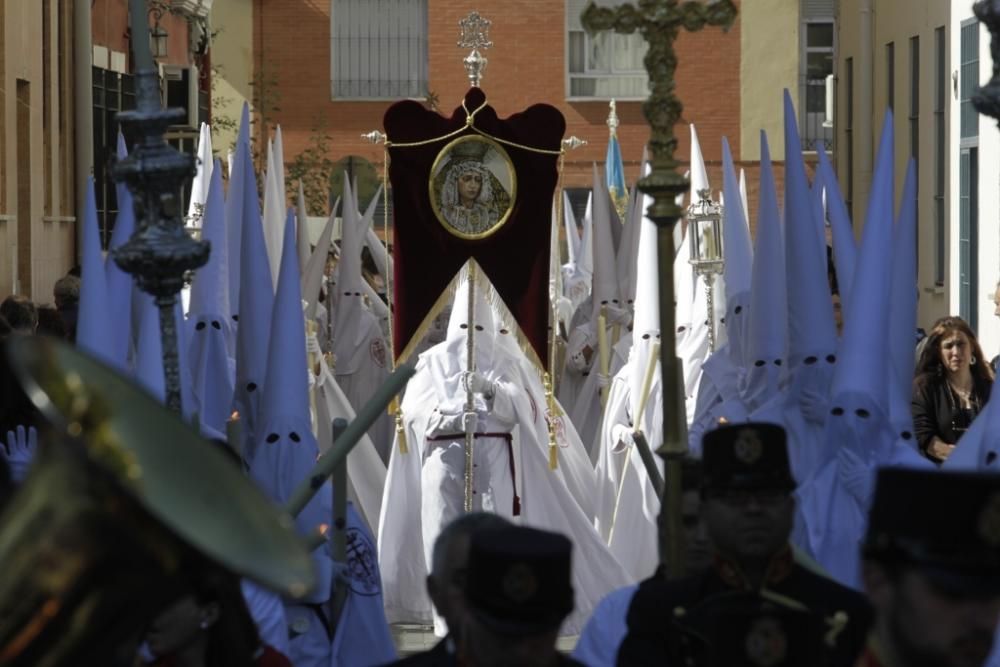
<point>400,431</point>
<point>550,418</point>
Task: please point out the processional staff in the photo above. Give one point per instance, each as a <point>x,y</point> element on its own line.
<point>161,251</point>
<point>659,22</point>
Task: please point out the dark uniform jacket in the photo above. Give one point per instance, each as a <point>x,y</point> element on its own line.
<point>442,656</point>
<point>678,622</point>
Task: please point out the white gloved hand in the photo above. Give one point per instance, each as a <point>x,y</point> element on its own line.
<point>814,406</point>
<point>621,438</point>
<point>855,475</point>
<point>477,384</point>
<point>603,381</point>
<point>470,421</point>
<point>20,451</point>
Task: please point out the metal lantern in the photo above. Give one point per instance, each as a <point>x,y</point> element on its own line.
<point>705,226</point>
<point>158,34</point>
<point>705,229</point>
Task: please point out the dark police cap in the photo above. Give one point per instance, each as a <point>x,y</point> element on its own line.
<point>518,580</point>
<point>945,523</point>
<point>749,455</point>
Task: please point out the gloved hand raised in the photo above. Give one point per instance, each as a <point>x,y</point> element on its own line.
<point>478,384</point>
<point>621,438</point>
<point>20,450</point>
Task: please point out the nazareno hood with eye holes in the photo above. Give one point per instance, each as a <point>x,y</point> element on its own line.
<point>209,328</point>
<point>256,295</point>
<point>286,449</point>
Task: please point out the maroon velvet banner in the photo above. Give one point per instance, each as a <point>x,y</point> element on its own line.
<point>433,239</point>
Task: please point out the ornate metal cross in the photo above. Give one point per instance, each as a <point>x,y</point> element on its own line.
<point>659,22</point>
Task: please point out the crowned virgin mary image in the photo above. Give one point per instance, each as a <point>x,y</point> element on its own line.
<point>472,187</point>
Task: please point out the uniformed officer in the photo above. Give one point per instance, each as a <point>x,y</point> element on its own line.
<point>517,594</point>
<point>747,507</point>
<point>931,566</point>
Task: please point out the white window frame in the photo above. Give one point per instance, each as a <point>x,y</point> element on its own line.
<point>423,83</point>
<point>573,26</point>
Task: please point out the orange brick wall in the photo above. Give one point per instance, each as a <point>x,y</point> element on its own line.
<point>526,66</point>
<point>109,28</point>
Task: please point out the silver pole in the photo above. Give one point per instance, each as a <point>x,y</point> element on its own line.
<point>470,404</point>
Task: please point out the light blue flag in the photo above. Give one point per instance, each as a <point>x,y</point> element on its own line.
<point>614,174</point>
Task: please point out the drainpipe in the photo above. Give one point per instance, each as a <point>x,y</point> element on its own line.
<point>83,131</point>
<point>865,138</point>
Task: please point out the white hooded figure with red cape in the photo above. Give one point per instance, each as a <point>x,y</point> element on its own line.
<point>425,488</point>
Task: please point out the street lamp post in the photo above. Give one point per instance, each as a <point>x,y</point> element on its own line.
<point>160,251</point>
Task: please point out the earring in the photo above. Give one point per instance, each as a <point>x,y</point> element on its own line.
<point>204,624</point>
<point>973,362</point>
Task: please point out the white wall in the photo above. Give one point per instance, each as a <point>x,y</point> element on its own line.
<point>988,250</point>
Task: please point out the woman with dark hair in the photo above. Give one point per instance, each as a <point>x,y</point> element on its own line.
<point>951,387</point>
<point>210,626</point>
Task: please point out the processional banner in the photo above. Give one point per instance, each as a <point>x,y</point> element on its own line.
<point>472,186</point>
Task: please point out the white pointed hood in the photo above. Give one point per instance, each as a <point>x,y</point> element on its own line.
<point>646,322</point>
<point>202,178</point>
<point>274,211</point>
<point>483,322</point>
<point>683,290</point>
<point>605,282</point>
<point>573,241</point>
<point>375,246</point>
<point>738,269</point>
<point>699,175</point>
<point>286,449</point>
<point>812,333</point>
<point>768,297</point>
<point>845,248</point>
<point>119,282</point>
<point>236,201</point>
<point>628,250</point>
<point>862,361</point>
<point>256,302</point>
<point>95,330</point>
<point>347,330</point>
<point>586,259</point>
<point>210,328</point>
<point>903,309</point>
<point>312,277</point>
<point>302,229</point>
<point>743,194</point>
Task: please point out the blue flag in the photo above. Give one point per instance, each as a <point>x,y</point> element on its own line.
<point>614,173</point>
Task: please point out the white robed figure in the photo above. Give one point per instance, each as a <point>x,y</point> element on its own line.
<point>361,355</point>
<point>425,488</point>
<point>627,505</point>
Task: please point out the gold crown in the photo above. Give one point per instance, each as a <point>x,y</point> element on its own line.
<point>470,149</point>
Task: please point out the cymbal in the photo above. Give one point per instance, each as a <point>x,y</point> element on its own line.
<point>181,479</point>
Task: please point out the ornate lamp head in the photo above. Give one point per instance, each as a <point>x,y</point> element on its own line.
<point>475,36</point>
<point>705,226</point>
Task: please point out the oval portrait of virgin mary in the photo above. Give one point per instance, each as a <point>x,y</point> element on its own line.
<point>472,187</point>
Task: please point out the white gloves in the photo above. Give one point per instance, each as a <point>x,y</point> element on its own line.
<point>470,421</point>
<point>603,381</point>
<point>477,384</point>
<point>20,451</point>
<point>814,406</point>
<point>855,475</point>
<point>621,438</point>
